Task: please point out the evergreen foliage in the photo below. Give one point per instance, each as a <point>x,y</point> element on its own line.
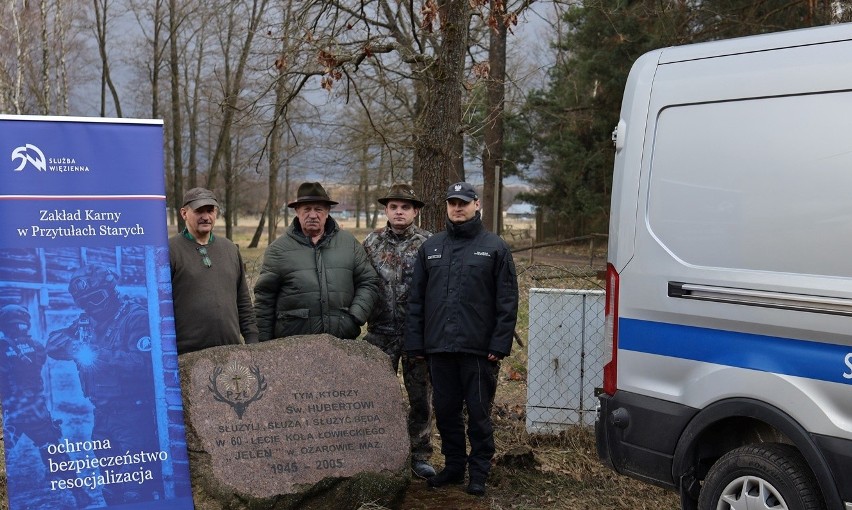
<point>569,124</point>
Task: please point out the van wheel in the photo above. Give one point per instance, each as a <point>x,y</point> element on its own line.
<point>766,476</point>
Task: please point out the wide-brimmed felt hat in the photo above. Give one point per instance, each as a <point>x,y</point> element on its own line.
<point>401,191</point>
<point>311,192</point>
<point>462,190</point>
<point>199,197</point>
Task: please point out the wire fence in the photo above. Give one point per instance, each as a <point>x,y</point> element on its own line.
<point>560,329</point>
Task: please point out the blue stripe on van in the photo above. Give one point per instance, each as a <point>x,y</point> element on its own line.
<point>813,360</point>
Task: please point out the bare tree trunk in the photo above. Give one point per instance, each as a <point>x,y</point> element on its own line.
<point>275,140</point>
<point>229,187</point>
<point>174,217</point>
<point>286,192</point>
<point>364,186</point>
<point>19,60</point>
<point>234,85</point>
<point>271,209</point>
<point>101,8</point>
<point>45,59</point>
<point>103,71</point>
<point>62,93</point>
<point>358,206</point>
<point>365,190</point>
<point>436,144</point>
<point>457,173</point>
<point>155,65</point>
<point>193,110</point>
<point>492,154</point>
<point>177,151</point>
<point>258,232</point>
<point>380,188</point>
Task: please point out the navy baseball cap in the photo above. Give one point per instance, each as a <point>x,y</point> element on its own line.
<point>463,191</point>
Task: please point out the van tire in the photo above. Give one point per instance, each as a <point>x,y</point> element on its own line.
<point>767,470</point>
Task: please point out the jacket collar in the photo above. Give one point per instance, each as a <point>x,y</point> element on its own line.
<point>296,232</point>
<point>408,232</point>
<point>467,229</point>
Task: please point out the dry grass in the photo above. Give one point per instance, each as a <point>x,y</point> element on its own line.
<point>566,472</point>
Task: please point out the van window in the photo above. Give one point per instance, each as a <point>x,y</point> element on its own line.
<point>758,184</point>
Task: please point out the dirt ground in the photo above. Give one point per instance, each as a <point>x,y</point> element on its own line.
<point>535,472</point>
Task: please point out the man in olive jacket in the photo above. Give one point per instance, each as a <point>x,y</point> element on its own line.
<point>316,278</point>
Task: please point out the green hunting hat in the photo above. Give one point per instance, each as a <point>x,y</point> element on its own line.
<point>401,191</point>
<point>311,192</point>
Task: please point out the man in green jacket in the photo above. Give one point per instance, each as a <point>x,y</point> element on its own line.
<point>316,278</point>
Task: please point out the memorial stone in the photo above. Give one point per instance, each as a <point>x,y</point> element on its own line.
<point>302,422</point>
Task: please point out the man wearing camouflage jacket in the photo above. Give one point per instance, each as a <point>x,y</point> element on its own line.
<point>392,250</point>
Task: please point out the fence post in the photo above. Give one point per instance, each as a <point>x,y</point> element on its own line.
<point>532,249</point>
<point>592,251</point>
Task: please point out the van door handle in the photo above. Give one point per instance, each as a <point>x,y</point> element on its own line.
<point>761,298</point>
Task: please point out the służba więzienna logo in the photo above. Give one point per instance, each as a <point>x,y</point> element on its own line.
<point>29,153</point>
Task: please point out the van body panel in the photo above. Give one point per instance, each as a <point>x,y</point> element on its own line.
<point>814,402</point>
<point>634,114</point>
<point>838,455</point>
<point>731,233</point>
<point>778,72</point>
<point>638,451</point>
<point>757,43</point>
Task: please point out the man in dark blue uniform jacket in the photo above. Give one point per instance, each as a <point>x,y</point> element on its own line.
<point>462,310</point>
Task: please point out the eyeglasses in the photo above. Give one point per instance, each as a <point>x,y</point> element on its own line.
<point>205,259</point>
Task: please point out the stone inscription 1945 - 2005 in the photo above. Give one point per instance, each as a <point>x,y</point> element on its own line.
<point>300,425</point>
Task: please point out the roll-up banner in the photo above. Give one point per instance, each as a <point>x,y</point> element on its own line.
<point>92,413</point>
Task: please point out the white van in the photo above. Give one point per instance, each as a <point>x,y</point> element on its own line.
<point>729,277</point>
